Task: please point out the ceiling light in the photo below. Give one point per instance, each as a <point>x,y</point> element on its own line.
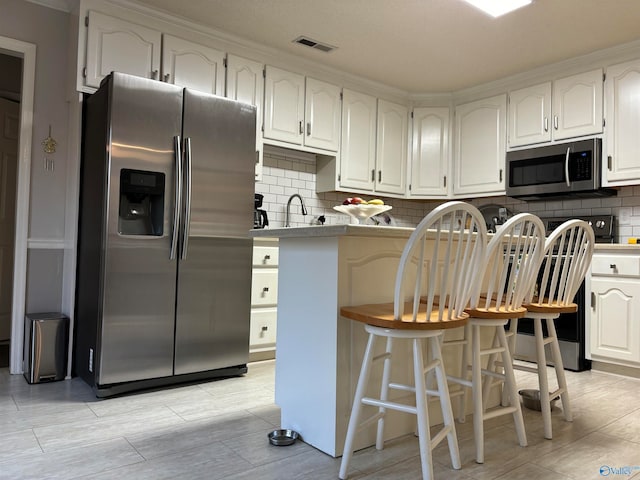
<point>495,8</point>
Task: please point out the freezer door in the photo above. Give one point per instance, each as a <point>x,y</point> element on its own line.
<point>214,305</point>
<point>139,285</point>
<point>214,273</point>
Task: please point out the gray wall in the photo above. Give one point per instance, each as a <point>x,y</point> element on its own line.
<point>48,30</point>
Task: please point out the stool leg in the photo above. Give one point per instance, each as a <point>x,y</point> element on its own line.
<point>476,390</point>
<point>559,367</point>
<point>491,366</point>
<point>464,373</point>
<point>384,393</point>
<point>445,403</point>
<point>543,382</point>
<point>513,331</point>
<point>510,386</point>
<point>352,429</point>
<point>424,435</point>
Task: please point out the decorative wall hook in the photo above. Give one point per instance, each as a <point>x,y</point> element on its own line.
<point>49,144</point>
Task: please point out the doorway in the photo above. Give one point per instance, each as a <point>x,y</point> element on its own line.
<point>16,109</point>
<point>10,95</point>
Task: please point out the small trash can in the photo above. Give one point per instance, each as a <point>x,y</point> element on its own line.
<point>46,339</point>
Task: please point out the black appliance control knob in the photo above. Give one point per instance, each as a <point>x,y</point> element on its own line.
<point>600,224</point>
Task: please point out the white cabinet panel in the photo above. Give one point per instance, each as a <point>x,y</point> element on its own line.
<point>358,143</point>
<point>192,65</point>
<point>322,115</point>
<point>391,147</point>
<point>480,147</point>
<point>284,105</point>
<point>529,115</point>
<point>430,155</point>
<point>623,265</point>
<point>263,328</point>
<point>121,46</point>
<point>245,83</point>
<point>615,320</point>
<point>265,256</point>
<point>577,105</point>
<point>623,123</point>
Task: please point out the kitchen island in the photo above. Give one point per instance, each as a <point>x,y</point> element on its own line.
<point>318,356</point>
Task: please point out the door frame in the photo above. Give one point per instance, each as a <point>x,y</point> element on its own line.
<point>26,51</point>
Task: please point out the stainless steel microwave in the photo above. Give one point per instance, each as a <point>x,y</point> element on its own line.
<point>571,169</point>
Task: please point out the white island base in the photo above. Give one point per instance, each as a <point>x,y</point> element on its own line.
<point>319,353</point>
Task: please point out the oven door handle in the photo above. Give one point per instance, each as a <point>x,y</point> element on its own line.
<point>566,167</point>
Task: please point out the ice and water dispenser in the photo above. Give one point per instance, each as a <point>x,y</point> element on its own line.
<point>141,202</point>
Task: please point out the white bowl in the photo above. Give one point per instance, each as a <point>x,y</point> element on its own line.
<point>362,212</point>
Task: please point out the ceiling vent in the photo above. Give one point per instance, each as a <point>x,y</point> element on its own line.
<point>307,42</point>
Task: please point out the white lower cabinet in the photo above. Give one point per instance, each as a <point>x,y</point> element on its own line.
<point>615,309</point>
<point>264,299</point>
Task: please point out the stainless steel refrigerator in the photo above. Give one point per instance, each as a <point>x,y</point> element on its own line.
<point>164,258</point>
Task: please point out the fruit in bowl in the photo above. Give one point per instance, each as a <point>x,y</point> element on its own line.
<point>354,201</point>
<point>375,201</point>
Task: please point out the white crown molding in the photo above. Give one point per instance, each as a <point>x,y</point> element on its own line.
<point>62,5</point>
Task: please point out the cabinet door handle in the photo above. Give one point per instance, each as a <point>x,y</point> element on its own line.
<point>555,122</point>
<point>445,182</point>
<point>166,77</point>
<point>593,300</point>
<point>373,175</point>
<point>609,162</point>
<point>379,175</point>
<point>500,175</point>
<point>300,130</point>
<point>154,74</point>
<point>308,128</point>
<point>546,124</point>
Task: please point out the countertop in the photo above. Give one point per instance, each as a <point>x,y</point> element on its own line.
<point>599,247</point>
<point>332,231</point>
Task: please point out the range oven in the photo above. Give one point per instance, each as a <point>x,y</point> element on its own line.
<point>570,327</point>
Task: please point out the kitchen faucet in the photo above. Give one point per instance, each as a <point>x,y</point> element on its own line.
<point>303,208</point>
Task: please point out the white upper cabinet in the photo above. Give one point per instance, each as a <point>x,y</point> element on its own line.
<point>479,159</point>
<point>623,123</point>
<point>570,107</point>
<point>311,120</point>
<point>577,105</point>
<point>284,106</point>
<point>430,152</point>
<point>192,65</point>
<point>245,83</point>
<point>322,115</point>
<point>530,115</point>
<point>358,146</point>
<point>121,46</point>
<point>391,147</point>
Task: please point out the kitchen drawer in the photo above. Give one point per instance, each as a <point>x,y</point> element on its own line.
<point>624,265</point>
<point>265,256</point>
<point>264,287</point>
<point>263,327</point>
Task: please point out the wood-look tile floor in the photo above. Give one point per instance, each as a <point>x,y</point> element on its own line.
<point>217,430</point>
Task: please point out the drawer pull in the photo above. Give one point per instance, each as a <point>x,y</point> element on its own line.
<point>265,289</point>
<point>613,266</point>
<point>265,328</point>
<point>267,257</point>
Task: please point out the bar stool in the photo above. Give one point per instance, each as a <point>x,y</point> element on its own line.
<point>567,257</point>
<point>439,264</point>
<point>513,258</point>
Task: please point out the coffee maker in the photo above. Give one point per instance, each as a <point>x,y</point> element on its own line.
<point>260,219</point>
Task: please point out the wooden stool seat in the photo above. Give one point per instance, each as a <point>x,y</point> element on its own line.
<point>497,313</point>
<point>382,315</point>
<point>551,308</point>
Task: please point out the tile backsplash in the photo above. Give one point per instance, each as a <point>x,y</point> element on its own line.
<point>287,172</point>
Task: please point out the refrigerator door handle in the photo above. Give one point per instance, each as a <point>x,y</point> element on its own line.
<point>177,150</point>
<point>187,207</point>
